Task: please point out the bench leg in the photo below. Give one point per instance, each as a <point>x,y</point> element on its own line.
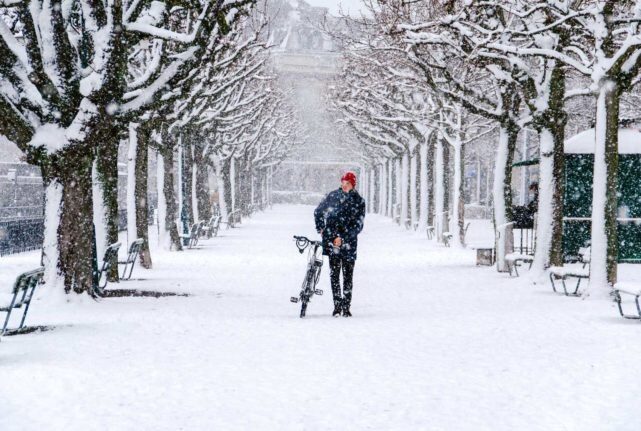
<point>131,268</point>
<point>26,308</point>
<point>552,281</point>
<point>103,285</point>
<point>564,287</point>
<point>124,271</point>
<point>617,298</point>
<point>578,284</point>
<point>6,321</point>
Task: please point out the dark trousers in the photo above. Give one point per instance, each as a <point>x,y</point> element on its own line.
<point>335,265</point>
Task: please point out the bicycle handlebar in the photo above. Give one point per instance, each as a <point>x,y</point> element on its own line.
<point>303,242</point>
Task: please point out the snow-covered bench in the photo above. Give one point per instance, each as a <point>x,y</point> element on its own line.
<point>628,288</point>
<point>430,232</point>
<point>129,263</point>
<point>210,228</point>
<point>191,238</point>
<point>111,255</point>
<point>580,271</point>
<point>233,219</point>
<point>21,296</point>
<point>514,260</point>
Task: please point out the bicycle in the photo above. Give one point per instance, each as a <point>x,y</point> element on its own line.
<point>314,265</point>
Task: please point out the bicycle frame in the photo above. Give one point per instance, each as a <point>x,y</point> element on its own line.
<point>312,274</point>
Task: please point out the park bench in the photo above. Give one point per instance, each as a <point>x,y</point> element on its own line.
<point>447,237</point>
<point>193,235</point>
<point>430,232</point>
<point>514,260</point>
<point>210,228</point>
<point>580,271</point>
<point>233,219</point>
<point>396,213</point>
<point>628,288</point>
<point>134,250</point>
<point>111,255</point>
<point>22,294</point>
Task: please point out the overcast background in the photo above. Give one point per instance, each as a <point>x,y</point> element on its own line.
<point>350,6</point>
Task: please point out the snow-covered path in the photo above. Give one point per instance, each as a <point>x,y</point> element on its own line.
<point>435,344</point>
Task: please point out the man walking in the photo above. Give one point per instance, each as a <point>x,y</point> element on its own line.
<point>339,219</point>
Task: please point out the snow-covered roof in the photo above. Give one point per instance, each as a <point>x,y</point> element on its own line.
<point>583,143</point>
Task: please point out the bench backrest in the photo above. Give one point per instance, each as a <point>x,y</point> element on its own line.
<point>111,255</point>
<point>28,280</point>
<point>135,246</point>
<point>584,254</point>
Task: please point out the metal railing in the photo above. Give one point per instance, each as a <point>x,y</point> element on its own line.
<point>17,236</point>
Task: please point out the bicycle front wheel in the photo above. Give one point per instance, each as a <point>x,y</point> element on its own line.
<point>306,292</point>
<point>303,307</point>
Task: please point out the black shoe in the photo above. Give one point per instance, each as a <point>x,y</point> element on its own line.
<point>337,311</point>
<point>346,312</point>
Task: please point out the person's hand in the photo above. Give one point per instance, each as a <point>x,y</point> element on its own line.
<point>338,241</point>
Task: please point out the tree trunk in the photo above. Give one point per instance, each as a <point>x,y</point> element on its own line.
<point>187,178</point>
<point>372,190</point>
<point>413,196</point>
<point>382,181</point>
<point>132,152</point>
<point>172,218</point>
<point>424,200</point>
<point>405,173</point>
<point>221,173</point>
<point>551,185</point>
<point>163,238</point>
<point>458,204</point>
<point>431,178</point>
<point>202,185</point>
<point>446,183</point>
<point>604,247</point>
<point>105,184</point>
<point>439,188</point>
<point>390,187</point>
<point>142,207</point>
<point>398,191</point>
<point>502,194</point>
<point>76,241</point>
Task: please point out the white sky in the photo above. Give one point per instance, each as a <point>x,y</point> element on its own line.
<point>351,6</point>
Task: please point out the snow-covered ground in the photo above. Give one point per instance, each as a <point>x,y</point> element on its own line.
<point>435,343</point>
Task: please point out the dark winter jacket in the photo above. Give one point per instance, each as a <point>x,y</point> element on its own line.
<point>341,215</point>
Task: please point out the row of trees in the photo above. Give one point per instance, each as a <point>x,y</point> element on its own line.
<point>425,78</point>
<point>188,80</point>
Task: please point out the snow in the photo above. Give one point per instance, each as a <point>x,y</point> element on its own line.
<point>51,137</point>
<point>583,143</point>
<point>631,288</point>
<point>435,343</point>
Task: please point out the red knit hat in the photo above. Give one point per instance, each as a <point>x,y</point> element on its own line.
<point>351,177</point>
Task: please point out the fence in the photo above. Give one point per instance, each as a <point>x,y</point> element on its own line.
<point>17,236</point>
